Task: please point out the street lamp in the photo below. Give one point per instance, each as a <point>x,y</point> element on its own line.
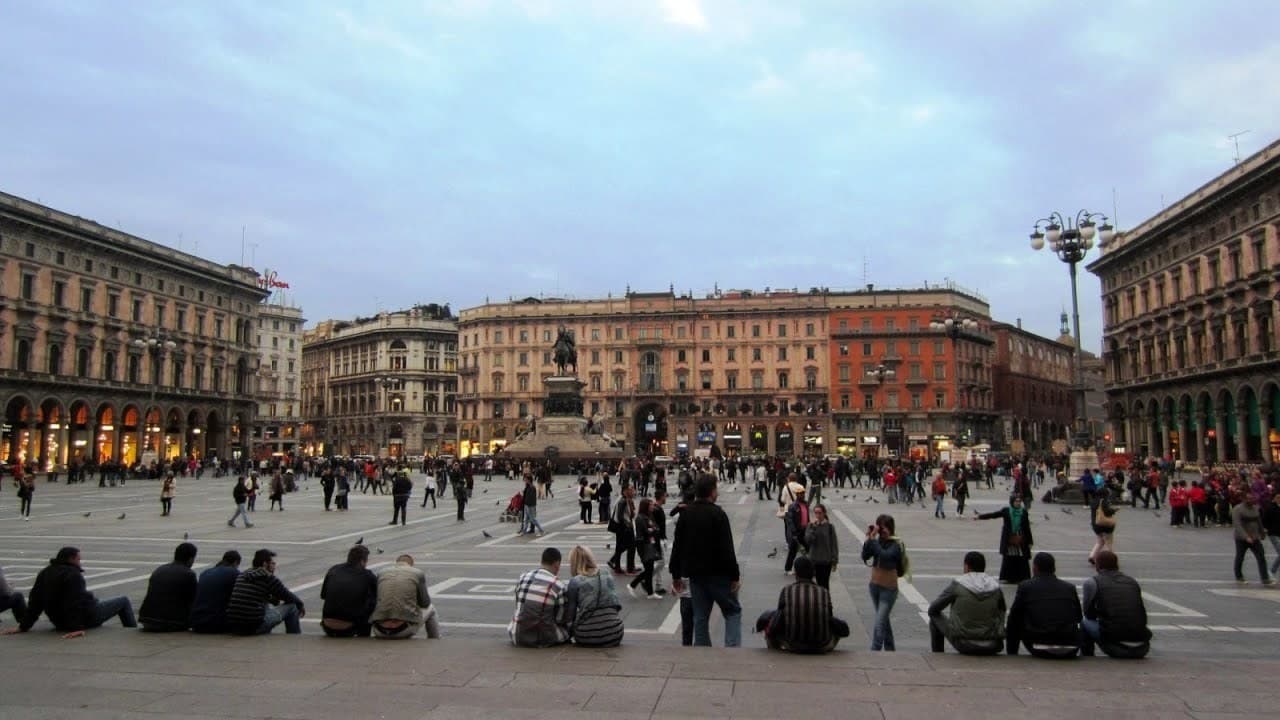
<point>954,325</point>
<point>1071,239</point>
<point>387,383</point>
<point>157,346</point>
<point>882,372</point>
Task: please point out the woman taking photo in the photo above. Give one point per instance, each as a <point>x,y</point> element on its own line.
<point>1015,540</point>
<point>887,556</point>
<point>166,494</point>
<point>824,550</point>
<point>592,602</point>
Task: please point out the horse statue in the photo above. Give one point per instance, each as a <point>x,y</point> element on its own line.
<point>565,351</point>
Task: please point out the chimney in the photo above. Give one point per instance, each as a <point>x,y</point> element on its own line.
<point>870,287</point>
<point>1019,323</point>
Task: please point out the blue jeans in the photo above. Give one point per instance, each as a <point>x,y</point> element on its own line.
<point>937,509</point>
<point>276,614</point>
<point>708,590</point>
<point>1275,543</point>
<point>108,609</point>
<point>530,520</point>
<point>240,512</point>
<point>882,599</point>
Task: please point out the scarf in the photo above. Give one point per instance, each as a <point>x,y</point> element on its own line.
<point>1015,518</point>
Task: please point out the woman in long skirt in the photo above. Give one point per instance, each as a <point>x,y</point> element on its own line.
<point>1015,540</point>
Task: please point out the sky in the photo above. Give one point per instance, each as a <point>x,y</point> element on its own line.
<point>382,154</point>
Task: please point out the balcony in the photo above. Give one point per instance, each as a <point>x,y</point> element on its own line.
<point>468,371</point>
<point>916,382</point>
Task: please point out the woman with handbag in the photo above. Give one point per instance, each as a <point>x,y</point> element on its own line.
<point>592,602</point>
<point>166,494</point>
<point>647,546</point>
<point>1104,526</point>
<point>1015,540</point>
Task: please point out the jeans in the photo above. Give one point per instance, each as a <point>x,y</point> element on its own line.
<point>938,511</point>
<point>1275,543</point>
<point>793,548</point>
<point>16,603</point>
<point>240,512</point>
<point>531,520</point>
<point>708,590</point>
<point>1258,554</point>
<point>882,599</point>
<point>822,574</point>
<point>686,621</point>
<point>108,609</point>
<point>399,508</point>
<point>276,614</point>
<point>645,578</point>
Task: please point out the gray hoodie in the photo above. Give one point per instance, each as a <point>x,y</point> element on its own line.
<point>977,608</point>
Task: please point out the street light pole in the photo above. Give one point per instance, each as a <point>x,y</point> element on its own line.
<point>954,325</point>
<point>880,373</point>
<point>157,346</point>
<point>1071,239</point>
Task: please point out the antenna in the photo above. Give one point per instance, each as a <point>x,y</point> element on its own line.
<point>1235,141</point>
<point>865,265</point>
<point>1115,207</point>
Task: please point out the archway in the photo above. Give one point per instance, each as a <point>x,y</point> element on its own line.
<point>1228,430</point>
<point>193,446</point>
<point>651,429</point>
<point>784,439</point>
<point>214,434</point>
<point>19,417</point>
<point>1140,446</point>
<point>130,427</point>
<point>104,443</point>
<point>758,437</point>
<point>51,443</point>
<point>171,439</point>
<point>1206,423</point>
<point>78,431</point>
<point>1251,433</point>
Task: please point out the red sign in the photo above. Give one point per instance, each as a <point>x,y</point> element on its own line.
<point>270,281</point>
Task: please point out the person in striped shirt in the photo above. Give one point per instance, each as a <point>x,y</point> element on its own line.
<point>259,601</point>
<point>541,617</point>
<point>804,621</point>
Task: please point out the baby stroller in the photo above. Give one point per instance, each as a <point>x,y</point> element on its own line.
<point>514,509</point>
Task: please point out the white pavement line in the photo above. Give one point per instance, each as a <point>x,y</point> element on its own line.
<point>1178,610</point>
<point>314,583</point>
<point>110,538</point>
<point>545,538</point>
<point>743,500</point>
<point>1079,579</point>
<point>122,581</point>
<point>1078,551</point>
<point>905,588</point>
<point>377,529</point>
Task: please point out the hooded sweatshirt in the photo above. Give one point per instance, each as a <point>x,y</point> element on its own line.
<point>977,608</point>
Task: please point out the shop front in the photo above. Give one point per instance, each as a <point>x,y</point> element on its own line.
<point>813,439</point>
<point>732,439</point>
<point>759,440</point>
<point>870,447</point>
<point>784,440</point>
<point>918,447</point>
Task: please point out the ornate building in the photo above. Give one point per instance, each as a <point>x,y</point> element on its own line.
<point>1189,346</point>
<point>384,385</point>
<point>1033,388</point>
<point>279,340</point>
<point>904,382</point>
<point>117,348</point>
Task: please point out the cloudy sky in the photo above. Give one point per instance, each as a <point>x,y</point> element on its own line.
<point>385,153</point>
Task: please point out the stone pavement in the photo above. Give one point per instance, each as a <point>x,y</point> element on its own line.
<point>117,674</point>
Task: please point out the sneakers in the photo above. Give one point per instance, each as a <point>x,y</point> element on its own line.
<point>1241,581</point>
<point>1269,581</point>
<point>655,596</point>
<point>632,589</point>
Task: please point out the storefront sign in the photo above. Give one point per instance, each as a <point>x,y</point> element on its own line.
<point>706,437</point>
<point>269,280</point>
<point>870,440</point>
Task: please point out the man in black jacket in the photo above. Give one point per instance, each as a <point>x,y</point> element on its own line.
<point>170,593</point>
<point>702,551</point>
<point>350,593</point>
<point>60,592</point>
<point>401,487</point>
<point>1114,615</point>
<point>1045,616</point>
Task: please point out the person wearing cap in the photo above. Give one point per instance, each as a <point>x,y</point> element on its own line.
<point>213,593</point>
<point>171,591</point>
<point>795,523</point>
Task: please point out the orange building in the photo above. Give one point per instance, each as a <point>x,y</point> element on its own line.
<point>904,381</point>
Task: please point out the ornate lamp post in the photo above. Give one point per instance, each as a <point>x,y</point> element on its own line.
<point>387,383</point>
<point>156,346</point>
<point>955,324</point>
<point>882,372</point>
<point>1071,239</point>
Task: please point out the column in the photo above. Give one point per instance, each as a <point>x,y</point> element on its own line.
<point>1220,430</point>
<point>1199,438</point>
<point>1242,436</point>
<point>1152,450</point>
<point>1181,421</point>
<point>1164,438</point>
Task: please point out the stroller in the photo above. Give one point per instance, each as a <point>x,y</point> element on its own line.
<point>514,509</point>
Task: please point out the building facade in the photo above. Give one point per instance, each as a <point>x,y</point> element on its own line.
<point>1034,394</point>
<point>116,348</point>
<point>903,386</point>
<point>383,386</point>
<point>278,333</point>
<point>1189,300</point>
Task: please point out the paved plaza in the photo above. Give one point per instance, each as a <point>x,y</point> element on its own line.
<point>1201,618</point>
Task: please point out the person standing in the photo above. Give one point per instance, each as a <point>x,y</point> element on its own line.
<point>460,495</point>
<point>824,548</point>
<point>60,592</point>
<point>240,494</point>
<point>259,601</point>
<point>622,524</point>
<point>277,492</point>
<point>26,490</point>
<point>1246,526</point>
<point>939,490</point>
<point>603,494</point>
<point>327,485</point>
<point>401,488</point>
<point>171,592</point>
<point>646,540</point>
<point>343,493</point>
<point>350,593</point>
<point>1270,515</point>
<point>794,525</point>
<point>659,518</point>
<point>252,496</point>
<point>585,497</point>
<point>529,508</point>
<point>1104,528</point>
<point>703,552</point>
<point>166,494</point>
<point>887,556</point>
<point>1015,540</point>
<point>960,491</point>
<point>428,486</point>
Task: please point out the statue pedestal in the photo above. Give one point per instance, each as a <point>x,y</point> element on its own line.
<point>1081,460</point>
<point>561,431</point>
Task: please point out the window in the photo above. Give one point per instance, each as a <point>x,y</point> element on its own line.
<point>546,336</point>
<point>913,324</point>
<point>940,399</point>
<point>913,348</point>
<point>731,355</point>
<point>890,324</point>
<point>198,375</point>
<point>705,379</point>
<point>868,401</point>
<point>31,250</point>
<point>892,398</point>
<point>844,372</point>
<point>617,357</point>
<point>808,329</point>
<point>731,331</point>
<point>59,292</point>
<point>28,286</point>
<point>497,336</point>
<point>108,365</point>
<point>706,332</point>
<point>497,383</point>
<point>595,357</point>
<point>939,371</point>
<point>619,409</point>
<point>680,356</point>
<point>810,352</point>
<point>844,349</point>
<point>55,360</point>
<point>915,372</point>
<point>844,401</point>
<point>595,382</point>
<point>866,349</point>
<point>731,380</point>
<point>617,333</point>
<point>22,355</point>
<point>113,305</point>
<point>86,299</point>
<point>916,402</point>
<point>782,379</point>
<point>137,310</point>
<point>680,332</point>
<point>937,347</point>
<point>755,331</point>
<point>524,359</point>
<point>524,336</point>
<point>782,354</point>
<point>217,327</point>
<point>706,356</point>
<point>181,322</point>
<point>756,355</point>
<point>757,381</point>
<point>595,334</point>
<point>82,362</point>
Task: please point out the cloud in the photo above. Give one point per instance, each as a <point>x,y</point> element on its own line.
<point>919,114</point>
<point>837,67</point>
<point>767,81</point>
<point>686,13</point>
<point>378,34</point>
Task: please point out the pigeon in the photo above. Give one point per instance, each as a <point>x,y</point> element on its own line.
<point>498,502</point>
<point>1046,516</point>
<point>875,500</point>
<point>485,491</point>
<point>379,551</point>
<point>867,500</point>
<point>608,546</point>
<point>122,516</point>
<point>773,553</point>
<point>1156,513</point>
<point>1066,510</point>
<point>485,533</point>
<point>88,513</point>
<point>186,536</point>
<point>360,541</point>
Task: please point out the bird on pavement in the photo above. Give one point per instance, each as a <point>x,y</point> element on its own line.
<point>88,513</point>
<point>122,515</point>
<point>1046,516</point>
<point>379,551</point>
<point>1156,513</point>
<point>186,536</point>
<point>875,500</point>
<point>484,491</point>
<point>360,541</point>
<point>867,500</point>
<point>773,553</point>
<point>485,533</point>
<point>608,546</point>
<point>1066,510</point>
